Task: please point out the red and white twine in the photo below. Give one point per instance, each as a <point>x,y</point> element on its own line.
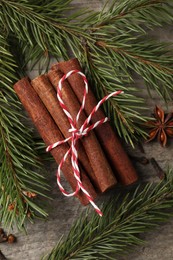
<point>77,134</point>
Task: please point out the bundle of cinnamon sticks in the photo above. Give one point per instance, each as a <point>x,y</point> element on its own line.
<point>102,159</point>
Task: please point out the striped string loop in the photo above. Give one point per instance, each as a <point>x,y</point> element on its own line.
<point>77,134</point>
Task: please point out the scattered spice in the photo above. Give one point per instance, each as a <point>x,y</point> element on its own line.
<point>161,127</point>
<point>11,239</point>
<point>4,238</point>
<point>160,173</point>
<point>142,159</point>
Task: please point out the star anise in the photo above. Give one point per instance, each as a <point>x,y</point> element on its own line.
<point>161,127</point>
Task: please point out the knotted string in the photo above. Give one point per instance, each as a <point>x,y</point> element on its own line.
<point>77,134</point>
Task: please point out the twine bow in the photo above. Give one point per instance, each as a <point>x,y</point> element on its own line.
<point>77,134</point>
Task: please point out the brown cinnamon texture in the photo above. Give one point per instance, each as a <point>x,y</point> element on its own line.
<point>118,158</point>
<point>50,134</point>
<point>104,178</point>
<point>47,94</point>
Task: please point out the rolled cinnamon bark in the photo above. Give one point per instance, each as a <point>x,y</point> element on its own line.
<point>47,94</point>
<point>104,178</point>
<point>50,134</point>
<point>118,158</point>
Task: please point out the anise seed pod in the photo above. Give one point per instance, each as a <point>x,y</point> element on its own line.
<point>159,114</point>
<point>170,124</point>
<point>162,127</point>
<point>169,131</point>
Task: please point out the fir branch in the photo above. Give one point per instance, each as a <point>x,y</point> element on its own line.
<point>139,12</point>
<point>126,216</point>
<point>17,159</point>
<point>38,28</point>
<point>112,38</point>
<point>157,73</point>
<point>119,51</point>
<point>124,111</point>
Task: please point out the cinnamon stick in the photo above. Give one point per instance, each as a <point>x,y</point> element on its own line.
<point>47,94</point>
<point>50,134</point>
<point>104,178</point>
<point>118,158</point>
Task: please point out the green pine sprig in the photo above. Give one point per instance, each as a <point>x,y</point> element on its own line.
<point>117,232</point>
<point>19,165</point>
